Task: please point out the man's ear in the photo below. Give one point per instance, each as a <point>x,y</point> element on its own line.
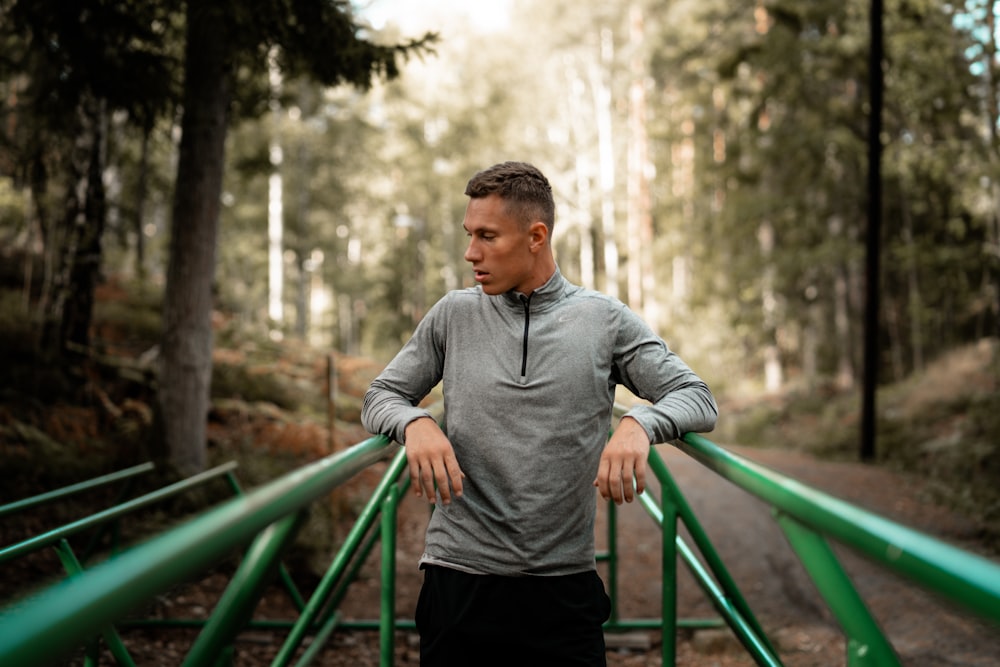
<point>539,234</point>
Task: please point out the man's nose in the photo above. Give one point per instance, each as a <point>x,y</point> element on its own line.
<point>472,251</point>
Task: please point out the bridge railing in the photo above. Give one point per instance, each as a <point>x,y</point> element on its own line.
<point>809,518</point>
<point>50,624</point>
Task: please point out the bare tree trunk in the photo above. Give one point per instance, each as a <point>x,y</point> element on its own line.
<point>187,338</point>
<point>275,203</point>
<point>635,162</point>
<point>915,306</point>
<point>641,280</point>
<point>581,140</point>
<point>842,318</point>
<point>602,104</point>
<point>141,195</point>
<point>991,273</point>
<point>68,313</point>
<point>773,374</point>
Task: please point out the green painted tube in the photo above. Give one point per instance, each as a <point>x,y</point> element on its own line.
<point>319,641</point>
<point>334,573</point>
<point>867,644</point>
<point>111,636</point>
<point>752,639</point>
<point>387,629</point>
<point>244,592</point>
<point>612,560</point>
<point>705,547</point>
<point>286,578</point>
<point>72,489</point>
<point>958,575</point>
<point>53,536</point>
<point>668,581</point>
<point>47,626</point>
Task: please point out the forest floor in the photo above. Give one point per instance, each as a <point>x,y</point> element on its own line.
<point>47,442</point>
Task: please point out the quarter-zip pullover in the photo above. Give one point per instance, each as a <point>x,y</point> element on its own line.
<point>529,385</point>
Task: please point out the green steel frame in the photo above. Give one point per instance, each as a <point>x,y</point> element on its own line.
<point>87,605</point>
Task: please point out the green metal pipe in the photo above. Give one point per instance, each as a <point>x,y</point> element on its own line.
<point>319,641</point>
<point>361,555</point>
<point>111,636</point>
<point>320,596</point>
<point>245,589</point>
<point>612,559</point>
<point>969,579</point>
<point>53,536</point>
<point>668,581</point>
<point>388,606</point>
<point>65,491</point>
<point>867,645</point>
<point>48,625</point>
<point>751,638</point>
<point>113,527</point>
<point>705,547</point>
<point>286,578</point>
<point>351,574</point>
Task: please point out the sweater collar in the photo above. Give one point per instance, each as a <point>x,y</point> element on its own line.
<point>547,293</point>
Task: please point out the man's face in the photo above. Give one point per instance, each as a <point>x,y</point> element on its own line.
<point>500,251</point>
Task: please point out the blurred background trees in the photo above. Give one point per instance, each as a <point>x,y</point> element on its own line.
<point>708,158</point>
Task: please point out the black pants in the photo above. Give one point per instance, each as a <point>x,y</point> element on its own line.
<point>470,619</point>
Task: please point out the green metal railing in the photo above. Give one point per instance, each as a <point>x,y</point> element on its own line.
<point>52,623</point>
<point>72,489</point>
<point>809,518</point>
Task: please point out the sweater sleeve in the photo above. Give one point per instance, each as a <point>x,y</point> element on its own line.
<point>391,401</point>
<point>680,402</point>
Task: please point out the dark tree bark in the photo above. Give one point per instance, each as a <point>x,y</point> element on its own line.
<point>69,312</point>
<point>186,371</point>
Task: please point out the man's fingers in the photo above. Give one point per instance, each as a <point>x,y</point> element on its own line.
<point>616,481</point>
<point>415,478</point>
<point>601,481</point>
<point>640,476</point>
<point>430,478</point>
<point>443,485</point>
<point>455,475</point>
<point>427,482</point>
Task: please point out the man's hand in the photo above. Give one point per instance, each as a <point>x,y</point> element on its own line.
<point>432,458</point>
<point>624,456</point>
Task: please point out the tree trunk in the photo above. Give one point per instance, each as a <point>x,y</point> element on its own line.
<point>186,373</point>
<point>774,376</point>
<point>275,203</point>
<point>602,104</point>
<point>636,209</point>
<point>68,314</point>
<point>141,196</point>
<point>86,266</point>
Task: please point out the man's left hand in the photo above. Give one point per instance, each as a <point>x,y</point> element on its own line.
<point>624,457</point>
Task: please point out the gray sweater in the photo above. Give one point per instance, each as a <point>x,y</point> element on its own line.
<point>529,385</point>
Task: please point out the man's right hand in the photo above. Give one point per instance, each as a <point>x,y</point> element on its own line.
<point>432,459</point>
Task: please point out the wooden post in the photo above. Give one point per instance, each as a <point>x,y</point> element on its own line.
<point>331,400</point>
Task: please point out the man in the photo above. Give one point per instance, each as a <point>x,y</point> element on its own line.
<point>529,364</point>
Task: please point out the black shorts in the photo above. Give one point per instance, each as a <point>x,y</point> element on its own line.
<point>471,619</point>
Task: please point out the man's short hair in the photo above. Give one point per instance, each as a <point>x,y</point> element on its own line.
<point>525,191</point>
